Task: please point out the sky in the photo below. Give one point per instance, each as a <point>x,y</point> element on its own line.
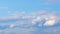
<point>29,16</point>
<point>29,5</point>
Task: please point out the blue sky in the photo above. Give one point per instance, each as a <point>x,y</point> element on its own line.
<point>28,5</point>
<point>30,16</point>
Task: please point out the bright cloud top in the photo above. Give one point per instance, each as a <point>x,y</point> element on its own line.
<point>51,21</point>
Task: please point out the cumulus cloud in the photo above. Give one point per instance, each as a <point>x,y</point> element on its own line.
<point>22,20</point>
<point>50,23</point>
<point>51,20</point>
<point>32,18</point>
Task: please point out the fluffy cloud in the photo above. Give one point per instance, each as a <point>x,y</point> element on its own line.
<point>51,20</point>
<point>32,18</point>
<point>27,22</point>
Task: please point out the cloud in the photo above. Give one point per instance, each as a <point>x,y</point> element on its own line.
<point>32,17</point>
<point>51,20</point>
<point>51,30</point>
<point>25,23</point>
<point>12,25</point>
<point>50,23</point>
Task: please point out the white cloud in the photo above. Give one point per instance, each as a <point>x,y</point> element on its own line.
<point>37,19</point>
<point>51,20</point>
<point>12,25</point>
<point>29,20</point>
<point>33,17</point>
<point>50,23</point>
